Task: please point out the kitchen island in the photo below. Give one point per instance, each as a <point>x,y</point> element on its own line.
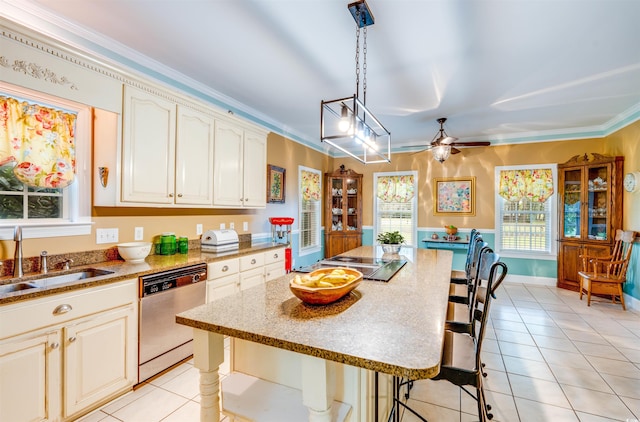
<point>394,328</point>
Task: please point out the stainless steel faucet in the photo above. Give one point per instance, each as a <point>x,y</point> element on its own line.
<point>43,262</point>
<point>17,258</point>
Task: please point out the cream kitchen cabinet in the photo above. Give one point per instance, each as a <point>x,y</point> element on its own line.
<point>223,279</point>
<point>64,355</point>
<point>233,275</point>
<point>167,152</point>
<point>274,264</point>
<point>240,166</point>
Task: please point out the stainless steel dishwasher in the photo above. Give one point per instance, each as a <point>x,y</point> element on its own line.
<point>162,342</point>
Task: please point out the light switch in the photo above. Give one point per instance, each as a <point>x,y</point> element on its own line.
<point>245,226</point>
<point>222,226</point>
<point>138,233</point>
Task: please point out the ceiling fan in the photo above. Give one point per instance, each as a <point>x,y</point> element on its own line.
<point>443,145</point>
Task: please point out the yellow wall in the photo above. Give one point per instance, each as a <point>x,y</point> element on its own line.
<point>478,162</point>
<point>627,141</point>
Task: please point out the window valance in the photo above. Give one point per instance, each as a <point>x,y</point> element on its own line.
<point>395,188</point>
<point>310,186</point>
<point>39,141</point>
<point>533,184</point>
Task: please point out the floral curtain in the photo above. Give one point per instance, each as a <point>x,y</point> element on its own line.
<point>534,184</point>
<point>310,186</point>
<point>395,188</point>
<point>39,141</point>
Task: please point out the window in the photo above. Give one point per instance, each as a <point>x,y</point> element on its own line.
<point>310,182</point>
<point>48,211</point>
<point>395,204</point>
<point>526,218</point>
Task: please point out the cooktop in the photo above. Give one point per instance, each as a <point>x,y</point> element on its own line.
<point>371,268</point>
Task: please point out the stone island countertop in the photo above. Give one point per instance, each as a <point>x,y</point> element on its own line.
<point>394,327</point>
<point>122,270</point>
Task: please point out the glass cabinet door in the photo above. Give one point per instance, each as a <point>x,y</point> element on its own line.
<point>353,213</point>
<point>598,202</point>
<point>337,205</point>
<point>572,203</point>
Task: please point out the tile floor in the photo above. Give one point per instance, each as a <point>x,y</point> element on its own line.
<point>550,358</point>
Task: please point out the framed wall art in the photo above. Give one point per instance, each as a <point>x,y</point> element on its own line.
<point>454,196</point>
<point>275,184</point>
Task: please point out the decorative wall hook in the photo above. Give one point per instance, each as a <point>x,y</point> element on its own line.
<point>103,173</point>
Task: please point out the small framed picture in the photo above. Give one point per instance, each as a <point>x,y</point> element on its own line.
<point>275,184</point>
<point>454,196</point>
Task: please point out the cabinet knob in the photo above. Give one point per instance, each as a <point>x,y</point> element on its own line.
<point>170,195</point>
<point>275,255</point>
<point>55,345</point>
<point>72,339</point>
<point>253,261</point>
<point>179,195</point>
<point>225,268</point>
<point>62,309</point>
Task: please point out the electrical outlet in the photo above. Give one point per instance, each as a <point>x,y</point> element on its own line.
<point>138,233</point>
<point>245,226</point>
<point>106,236</point>
<point>232,225</point>
<point>222,226</point>
<point>198,229</point>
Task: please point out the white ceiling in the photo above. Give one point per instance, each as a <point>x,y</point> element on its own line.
<point>500,70</point>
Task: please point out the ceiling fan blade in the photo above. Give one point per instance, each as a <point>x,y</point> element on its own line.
<point>472,144</point>
<point>447,140</point>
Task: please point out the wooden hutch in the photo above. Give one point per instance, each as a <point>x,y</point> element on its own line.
<point>342,211</point>
<point>590,211</point>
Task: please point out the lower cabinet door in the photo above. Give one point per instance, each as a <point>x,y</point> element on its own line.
<point>100,358</point>
<point>251,278</point>
<point>222,287</point>
<point>30,380</point>
<point>273,271</point>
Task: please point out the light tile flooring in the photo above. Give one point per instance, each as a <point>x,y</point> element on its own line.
<point>548,355</point>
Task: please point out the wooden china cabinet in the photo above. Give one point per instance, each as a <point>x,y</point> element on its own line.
<point>343,211</point>
<point>590,211</point>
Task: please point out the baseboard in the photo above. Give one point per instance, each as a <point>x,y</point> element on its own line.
<point>527,279</point>
<point>631,302</point>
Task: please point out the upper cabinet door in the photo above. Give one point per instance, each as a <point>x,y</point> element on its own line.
<point>194,158</point>
<point>228,168</point>
<point>148,148</point>
<point>255,170</point>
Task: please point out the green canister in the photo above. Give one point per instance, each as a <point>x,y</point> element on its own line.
<point>168,243</point>
<point>183,244</point>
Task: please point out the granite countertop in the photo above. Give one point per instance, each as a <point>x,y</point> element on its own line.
<point>123,271</point>
<point>394,327</point>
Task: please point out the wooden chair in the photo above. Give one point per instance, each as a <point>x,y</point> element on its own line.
<point>605,275</point>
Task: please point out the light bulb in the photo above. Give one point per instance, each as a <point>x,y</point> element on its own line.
<point>345,121</point>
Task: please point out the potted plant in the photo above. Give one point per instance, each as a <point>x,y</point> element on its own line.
<point>391,242</point>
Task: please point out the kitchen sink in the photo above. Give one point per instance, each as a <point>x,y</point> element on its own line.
<point>69,277</point>
<point>16,287</point>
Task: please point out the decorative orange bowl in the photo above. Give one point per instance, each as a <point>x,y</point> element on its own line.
<point>451,231</point>
<point>325,285</point>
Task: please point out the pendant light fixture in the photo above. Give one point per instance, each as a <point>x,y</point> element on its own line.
<point>346,124</point>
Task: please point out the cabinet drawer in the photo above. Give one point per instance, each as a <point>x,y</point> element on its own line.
<point>38,313</point>
<point>222,268</point>
<point>251,261</point>
<point>276,255</point>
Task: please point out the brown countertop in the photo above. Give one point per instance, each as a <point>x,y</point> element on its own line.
<point>393,327</point>
<point>123,271</point>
